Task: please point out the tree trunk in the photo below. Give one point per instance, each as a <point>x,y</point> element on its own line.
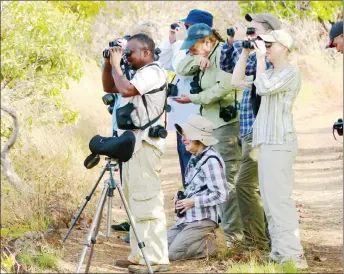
<point>6,163</point>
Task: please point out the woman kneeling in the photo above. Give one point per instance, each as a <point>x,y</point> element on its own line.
<point>205,188</point>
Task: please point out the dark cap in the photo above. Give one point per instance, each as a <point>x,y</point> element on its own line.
<point>196,32</point>
<point>264,18</point>
<point>336,30</point>
<point>199,16</point>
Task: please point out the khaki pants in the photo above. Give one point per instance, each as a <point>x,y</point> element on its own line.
<point>191,240</point>
<point>142,190</point>
<point>249,200</point>
<point>276,180</point>
<point>229,149</point>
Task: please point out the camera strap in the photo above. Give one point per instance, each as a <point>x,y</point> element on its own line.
<point>255,98</point>
<point>199,169</point>
<point>163,87</point>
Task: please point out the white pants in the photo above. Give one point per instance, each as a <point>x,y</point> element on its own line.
<point>276,180</point>
<point>142,190</point>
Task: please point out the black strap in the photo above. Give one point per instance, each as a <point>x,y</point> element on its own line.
<point>255,98</point>
<point>199,169</point>
<point>163,87</point>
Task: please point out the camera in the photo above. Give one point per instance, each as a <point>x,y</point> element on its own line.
<point>157,131</point>
<point>174,26</point>
<point>172,90</point>
<point>109,100</point>
<point>250,31</point>
<point>231,32</point>
<point>113,44</point>
<point>228,113</point>
<point>195,87</point>
<point>180,196</point>
<point>339,127</point>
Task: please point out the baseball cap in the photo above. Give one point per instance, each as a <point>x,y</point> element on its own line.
<point>280,36</point>
<point>336,30</point>
<point>196,16</point>
<point>264,18</point>
<point>196,32</point>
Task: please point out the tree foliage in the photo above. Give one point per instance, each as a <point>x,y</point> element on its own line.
<point>292,10</point>
<point>39,47</point>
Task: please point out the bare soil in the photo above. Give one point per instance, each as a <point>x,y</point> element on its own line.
<point>318,192</point>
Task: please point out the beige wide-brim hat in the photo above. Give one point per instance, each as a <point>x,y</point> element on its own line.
<point>280,36</point>
<point>198,128</point>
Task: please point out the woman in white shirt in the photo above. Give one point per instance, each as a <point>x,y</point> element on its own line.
<point>274,135</point>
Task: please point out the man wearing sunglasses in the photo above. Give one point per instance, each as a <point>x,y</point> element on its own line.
<point>170,56</point>
<point>144,95</point>
<point>254,228</point>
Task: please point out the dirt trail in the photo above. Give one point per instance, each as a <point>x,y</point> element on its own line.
<point>318,191</point>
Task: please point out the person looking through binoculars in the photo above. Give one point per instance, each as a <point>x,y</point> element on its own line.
<point>212,90</point>
<point>141,105</point>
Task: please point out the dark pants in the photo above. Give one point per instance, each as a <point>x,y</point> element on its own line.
<point>184,156</point>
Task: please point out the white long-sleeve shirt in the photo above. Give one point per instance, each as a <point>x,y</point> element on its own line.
<point>274,122</point>
<point>169,59</point>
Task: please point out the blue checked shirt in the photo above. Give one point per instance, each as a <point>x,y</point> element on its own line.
<point>197,175</point>
<point>229,57</point>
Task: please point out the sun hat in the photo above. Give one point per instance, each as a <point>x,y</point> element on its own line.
<point>198,128</point>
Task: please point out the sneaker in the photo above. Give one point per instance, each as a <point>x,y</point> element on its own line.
<point>144,268</point>
<point>123,263</point>
<point>121,227</point>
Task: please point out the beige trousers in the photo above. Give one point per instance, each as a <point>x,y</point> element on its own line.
<point>143,192</point>
<point>276,181</point>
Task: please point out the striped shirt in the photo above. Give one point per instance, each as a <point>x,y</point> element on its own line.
<point>200,173</point>
<point>274,123</point>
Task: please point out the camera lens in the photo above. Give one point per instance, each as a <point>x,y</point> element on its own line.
<point>106,53</point>
<point>162,133</point>
<point>250,31</point>
<point>231,32</point>
<point>108,99</point>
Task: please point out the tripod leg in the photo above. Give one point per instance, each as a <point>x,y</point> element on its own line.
<point>109,215</point>
<point>132,223</point>
<point>92,228</point>
<point>94,238</point>
<point>88,197</point>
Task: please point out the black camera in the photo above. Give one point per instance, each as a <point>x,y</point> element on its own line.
<point>172,90</point>
<point>180,196</point>
<point>195,87</point>
<point>231,32</point>
<point>228,113</point>
<point>174,26</point>
<point>339,127</point>
<point>157,131</point>
<point>113,44</point>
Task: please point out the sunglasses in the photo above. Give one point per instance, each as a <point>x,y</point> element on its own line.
<point>268,44</point>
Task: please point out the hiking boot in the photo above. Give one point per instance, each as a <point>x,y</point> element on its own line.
<point>125,226</point>
<point>123,263</point>
<point>144,268</point>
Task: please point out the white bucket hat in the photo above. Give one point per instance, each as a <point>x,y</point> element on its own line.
<point>197,128</point>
